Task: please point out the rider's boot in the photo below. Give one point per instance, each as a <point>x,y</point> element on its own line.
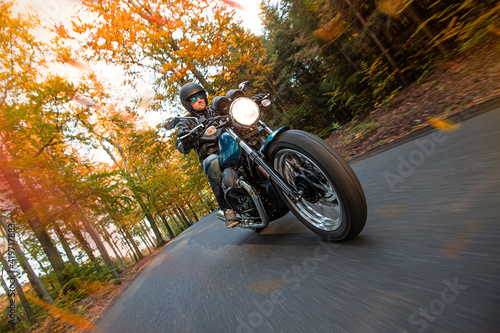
<point>231,218</point>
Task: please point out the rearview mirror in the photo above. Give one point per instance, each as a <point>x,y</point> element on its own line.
<point>246,86</point>
<point>266,102</point>
<point>173,122</point>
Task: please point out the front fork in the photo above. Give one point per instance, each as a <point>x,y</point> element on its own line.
<point>258,158</point>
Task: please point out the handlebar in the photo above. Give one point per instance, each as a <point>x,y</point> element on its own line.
<point>192,131</point>
<point>205,123</point>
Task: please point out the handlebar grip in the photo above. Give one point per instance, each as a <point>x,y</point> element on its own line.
<point>191,132</point>
<point>184,136</point>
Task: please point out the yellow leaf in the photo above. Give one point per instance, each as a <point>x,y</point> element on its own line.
<point>443,125</point>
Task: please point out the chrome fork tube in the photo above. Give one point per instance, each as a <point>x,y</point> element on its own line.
<point>267,128</point>
<point>273,175</point>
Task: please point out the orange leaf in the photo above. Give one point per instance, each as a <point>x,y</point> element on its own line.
<point>233,4</point>
<point>85,102</point>
<point>154,19</point>
<point>77,64</point>
<point>443,125</point>
<point>64,315</point>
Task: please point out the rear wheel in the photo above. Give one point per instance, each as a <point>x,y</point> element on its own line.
<point>332,202</point>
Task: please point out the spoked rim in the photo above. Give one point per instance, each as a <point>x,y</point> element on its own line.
<point>319,204</point>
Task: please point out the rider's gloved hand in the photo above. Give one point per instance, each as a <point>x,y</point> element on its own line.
<point>258,97</point>
<point>188,141</point>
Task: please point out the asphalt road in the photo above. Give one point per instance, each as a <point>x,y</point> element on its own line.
<point>428,259</point>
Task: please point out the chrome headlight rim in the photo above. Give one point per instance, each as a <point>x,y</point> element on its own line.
<point>236,115</point>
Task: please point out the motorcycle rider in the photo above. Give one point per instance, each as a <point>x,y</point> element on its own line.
<point>194,99</point>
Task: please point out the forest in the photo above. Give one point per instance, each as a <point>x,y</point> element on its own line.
<point>88,187</point>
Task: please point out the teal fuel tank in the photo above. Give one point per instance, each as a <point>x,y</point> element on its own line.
<point>229,151</point>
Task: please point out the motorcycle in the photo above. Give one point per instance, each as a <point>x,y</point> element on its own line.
<point>267,173</point>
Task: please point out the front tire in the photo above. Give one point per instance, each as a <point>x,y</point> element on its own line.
<point>333,203</point>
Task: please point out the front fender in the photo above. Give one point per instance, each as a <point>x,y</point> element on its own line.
<point>271,138</point>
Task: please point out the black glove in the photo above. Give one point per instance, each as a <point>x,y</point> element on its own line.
<point>188,141</point>
<point>258,98</point>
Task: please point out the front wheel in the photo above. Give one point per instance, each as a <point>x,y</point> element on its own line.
<point>332,202</point>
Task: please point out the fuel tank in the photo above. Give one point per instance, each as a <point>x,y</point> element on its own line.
<point>229,151</point>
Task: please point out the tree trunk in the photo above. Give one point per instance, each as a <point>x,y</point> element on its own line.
<point>209,207</point>
<point>169,228</point>
<point>86,247</point>
<point>194,213</point>
<point>134,244</point>
<point>130,254</point>
<point>184,217</point>
<point>20,293</point>
<point>346,56</point>
<point>106,236</point>
<point>379,44</point>
<point>146,243</point>
<point>146,233</point>
<point>117,255</point>
<point>37,285</point>
<point>65,245</point>
<point>4,286</point>
<point>34,222</point>
<point>35,257</point>
<point>159,239</point>
<point>97,240</point>
<point>18,319</point>
<point>117,245</point>
<point>145,239</point>
<point>114,247</point>
<point>176,220</point>
<point>415,17</point>
<point>129,249</point>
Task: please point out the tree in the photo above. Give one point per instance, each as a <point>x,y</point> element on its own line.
<point>20,292</point>
<point>176,40</point>
<point>357,55</point>
<point>111,132</point>
<point>32,277</point>
<point>30,118</point>
<point>385,52</point>
<point>34,222</point>
<point>65,245</point>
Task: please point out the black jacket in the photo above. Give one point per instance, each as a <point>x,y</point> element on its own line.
<point>185,126</point>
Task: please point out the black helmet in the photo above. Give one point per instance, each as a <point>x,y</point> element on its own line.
<point>188,90</point>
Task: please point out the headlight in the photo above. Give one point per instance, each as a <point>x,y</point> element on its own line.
<point>244,112</point>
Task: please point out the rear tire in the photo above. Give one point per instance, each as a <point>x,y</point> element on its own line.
<point>333,203</point>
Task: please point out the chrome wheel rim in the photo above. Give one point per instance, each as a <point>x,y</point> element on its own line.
<point>322,208</point>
